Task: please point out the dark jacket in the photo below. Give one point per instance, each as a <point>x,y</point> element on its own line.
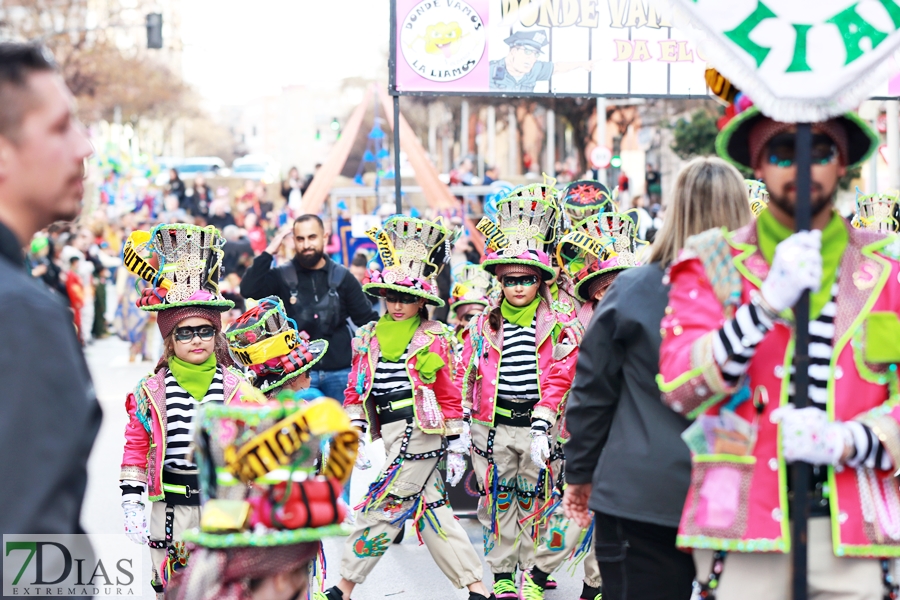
<point>262,280</point>
<point>623,438</point>
<point>236,256</point>
<point>220,222</point>
<point>177,189</point>
<point>49,415</point>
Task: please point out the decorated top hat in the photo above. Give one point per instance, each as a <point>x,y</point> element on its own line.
<point>524,232</point>
<point>266,341</point>
<point>733,142</point>
<point>264,482</point>
<point>413,252</point>
<point>759,196</point>
<point>181,262</point>
<point>877,212</point>
<point>582,199</point>
<point>472,285</point>
<point>614,236</point>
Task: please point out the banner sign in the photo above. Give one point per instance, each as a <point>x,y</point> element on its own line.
<point>614,48</point>
<point>798,61</point>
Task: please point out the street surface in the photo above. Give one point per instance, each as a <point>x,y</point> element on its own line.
<point>406,572</point>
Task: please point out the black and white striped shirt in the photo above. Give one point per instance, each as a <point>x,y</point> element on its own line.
<point>390,381</point>
<point>736,343</point>
<point>518,377</point>
<point>180,410</point>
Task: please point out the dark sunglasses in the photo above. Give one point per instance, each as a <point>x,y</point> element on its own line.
<point>404,299</point>
<point>524,281</point>
<point>781,150</point>
<point>186,334</point>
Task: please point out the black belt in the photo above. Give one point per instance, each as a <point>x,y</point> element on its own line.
<point>514,414</point>
<point>181,489</point>
<point>393,411</point>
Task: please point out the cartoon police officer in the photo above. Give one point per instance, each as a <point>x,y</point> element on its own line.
<point>520,70</point>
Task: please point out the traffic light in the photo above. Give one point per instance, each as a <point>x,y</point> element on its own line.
<point>615,161</point>
<point>154,31</point>
<point>335,124</point>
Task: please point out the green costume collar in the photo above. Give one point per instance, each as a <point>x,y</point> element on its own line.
<point>195,379</point>
<point>521,316</point>
<point>834,241</point>
<point>394,336</point>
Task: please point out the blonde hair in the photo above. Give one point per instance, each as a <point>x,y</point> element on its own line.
<point>709,193</point>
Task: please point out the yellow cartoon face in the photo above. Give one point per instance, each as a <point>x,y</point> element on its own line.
<point>441,38</point>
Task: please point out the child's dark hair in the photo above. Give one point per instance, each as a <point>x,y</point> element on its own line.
<point>495,319</point>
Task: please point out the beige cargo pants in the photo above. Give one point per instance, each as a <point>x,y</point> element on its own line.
<point>509,449</point>
<point>444,537</point>
<point>183,517</point>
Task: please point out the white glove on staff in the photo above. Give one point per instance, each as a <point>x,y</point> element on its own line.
<point>136,522</point>
<point>808,436</point>
<point>797,267</point>
<point>540,444</point>
<point>456,468</point>
<point>362,458</point>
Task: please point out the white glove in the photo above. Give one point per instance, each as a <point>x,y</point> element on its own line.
<point>797,267</point>
<point>466,435</point>
<point>808,436</point>
<point>362,459</point>
<point>136,522</point>
<point>459,445</point>
<point>540,448</point>
<point>456,467</point>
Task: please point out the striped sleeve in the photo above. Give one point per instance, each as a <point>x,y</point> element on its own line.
<point>736,341</point>
<point>869,452</point>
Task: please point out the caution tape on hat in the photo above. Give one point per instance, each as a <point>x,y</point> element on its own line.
<point>272,347</point>
<point>385,245</point>
<point>279,445</point>
<point>497,240</point>
<point>138,265</point>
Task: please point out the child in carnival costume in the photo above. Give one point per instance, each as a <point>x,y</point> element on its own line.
<point>877,212</point>
<point>473,291</point>
<point>266,503</point>
<point>514,404</point>
<point>592,254</point>
<point>401,389</point>
<point>726,360</point>
<point>265,341</point>
<point>194,370</point>
<point>578,201</point>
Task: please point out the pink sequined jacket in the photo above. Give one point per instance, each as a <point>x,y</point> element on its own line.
<point>145,433</point>
<point>740,503</point>
<point>437,406</point>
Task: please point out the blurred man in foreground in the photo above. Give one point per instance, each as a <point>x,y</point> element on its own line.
<point>49,414</point>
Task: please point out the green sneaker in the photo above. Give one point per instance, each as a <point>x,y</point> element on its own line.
<point>505,588</point>
<point>529,590</point>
